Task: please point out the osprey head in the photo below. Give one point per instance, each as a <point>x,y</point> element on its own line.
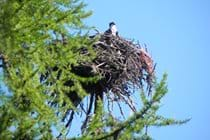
<point>111,24</point>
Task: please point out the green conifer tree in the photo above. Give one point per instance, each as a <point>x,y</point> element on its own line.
<point>41,42</point>
<point>39,38</point>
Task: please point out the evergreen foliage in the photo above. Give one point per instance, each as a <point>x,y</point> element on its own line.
<point>32,43</point>
<point>39,46</point>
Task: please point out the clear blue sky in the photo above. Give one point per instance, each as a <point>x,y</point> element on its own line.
<point>177,33</point>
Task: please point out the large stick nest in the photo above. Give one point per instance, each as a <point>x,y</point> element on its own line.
<point>122,65</point>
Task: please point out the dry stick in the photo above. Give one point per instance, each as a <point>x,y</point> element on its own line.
<point>88,112</point>
<point>67,125</point>
<point>121,111</point>
<point>82,107</point>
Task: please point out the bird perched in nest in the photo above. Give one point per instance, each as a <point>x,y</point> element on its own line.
<point>112,29</point>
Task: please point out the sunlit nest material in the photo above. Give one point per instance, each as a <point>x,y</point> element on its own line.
<point>122,64</point>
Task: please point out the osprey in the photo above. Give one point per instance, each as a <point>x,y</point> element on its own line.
<point>112,29</point>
